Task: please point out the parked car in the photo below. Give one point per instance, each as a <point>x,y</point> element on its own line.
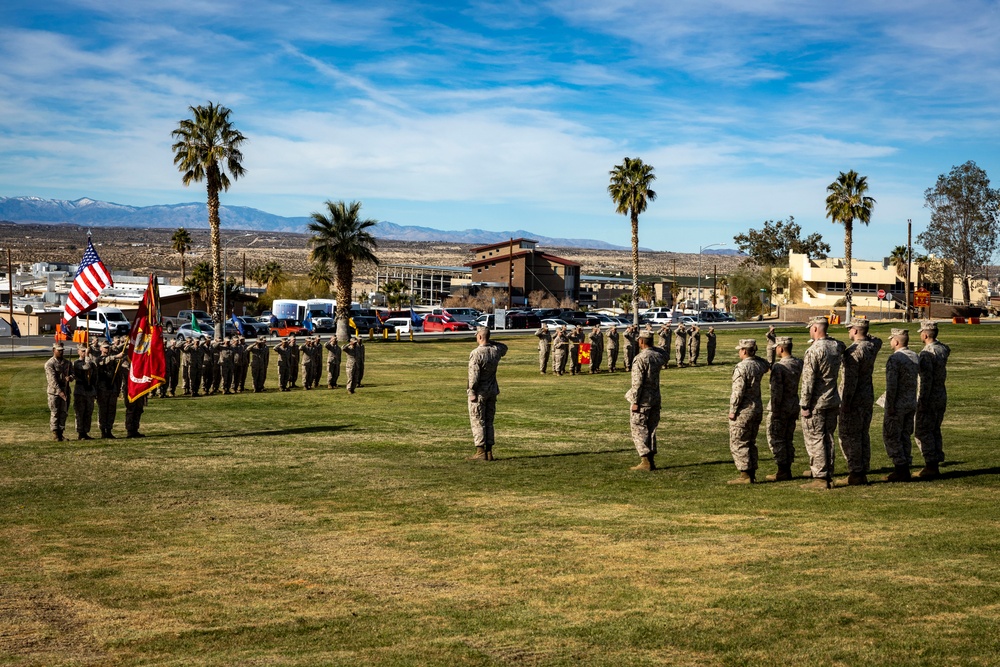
<point>101,320</point>
<point>523,320</point>
<point>185,332</point>
<point>487,321</point>
<point>555,323</point>
<point>606,320</point>
<point>441,323</point>
<point>402,324</point>
<point>467,315</point>
<point>205,321</point>
<point>362,324</point>
<point>324,324</point>
<point>580,319</point>
<point>288,328</point>
<point>658,318</point>
<point>251,327</point>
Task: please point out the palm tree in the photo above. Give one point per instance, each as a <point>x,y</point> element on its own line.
<point>270,275</point>
<point>898,260</point>
<point>199,283</point>
<point>320,277</point>
<point>625,303</point>
<point>208,149</point>
<point>181,243</point>
<point>340,239</point>
<point>646,293</point>
<point>394,297</point>
<point>629,189</point>
<point>846,203</point>
<point>722,283</point>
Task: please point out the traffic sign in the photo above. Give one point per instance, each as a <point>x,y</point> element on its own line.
<point>881,294</point>
<point>735,300</point>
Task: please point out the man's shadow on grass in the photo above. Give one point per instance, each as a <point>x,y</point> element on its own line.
<point>300,430</point>
<point>615,451</point>
<point>953,474</point>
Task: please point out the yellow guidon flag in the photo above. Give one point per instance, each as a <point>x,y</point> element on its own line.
<point>584,353</point>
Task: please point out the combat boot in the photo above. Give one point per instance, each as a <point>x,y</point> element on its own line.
<point>856,479</point>
<point>57,436</point>
<point>900,474</point>
<point>807,473</point>
<point>930,471</point>
<point>480,455</point>
<point>652,461</point>
<point>783,475</point>
<point>745,477</point>
<point>489,454</point>
<point>644,464</point>
<point>821,483</point>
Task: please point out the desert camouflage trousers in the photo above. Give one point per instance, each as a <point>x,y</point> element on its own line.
<point>58,409</point>
<point>680,351</point>
<point>855,438</point>
<point>481,414</point>
<point>694,352</point>
<point>612,358</point>
<point>743,439</point>
<point>332,373</point>
<point>896,431</point>
<point>107,409</point>
<point>927,430</point>
<point>780,434</point>
<point>596,357</point>
<point>643,426</point>
<point>543,359</point>
<point>817,431</point>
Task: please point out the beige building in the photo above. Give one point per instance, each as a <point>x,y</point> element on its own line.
<point>820,283</point>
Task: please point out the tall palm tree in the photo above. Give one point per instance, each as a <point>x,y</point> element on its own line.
<point>898,260</point>
<point>199,283</point>
<point>629,189</point>
<point>208,149</point>
<point>341,238</point>
<point>269,275</point>
<point>320,277</point>
<point>846,203</point>
<point>181,243</point>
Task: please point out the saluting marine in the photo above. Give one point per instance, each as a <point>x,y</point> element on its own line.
<point>544,343</point>
<point>746,411</point>
<point>783,408</point>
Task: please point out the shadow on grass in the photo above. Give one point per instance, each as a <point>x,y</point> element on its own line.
<point>301,430</point>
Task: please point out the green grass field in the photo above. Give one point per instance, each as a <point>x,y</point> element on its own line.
<point>319,528</point>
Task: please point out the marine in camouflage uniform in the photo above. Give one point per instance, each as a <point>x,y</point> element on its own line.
<point>902,369</point>
<point>857,398</point>
<point>332,363</point>
<point>209,365</point>
<point>108,389</point>
<point>294,355</point>
<point>596,338</point>
<point>58,372</point>
<point>195,351</point>
<point>309,365</point>
<point>284,352</point>
<point>171,366</point>
<point>746,411</point>
<point>631,337</point>
<point>612,348</point>
<point>664,334</point>
<point>353,351</point>
<point>576,338</point>
<point>819,401</point>
<point>645,401</point>
<point>560,351</point>
<point>932,399</point>
<point>361,361</point>
<point>133,409</point>
<point>783,408</point>
<point>242,363</point>
<point>84,393</point>
<point>710,345</point>
<point>260,356</point>
<point>544,344</point>
<point>694,345</point>
<point>227,367</point>
<point>482,390</point>
<point>680,346</point>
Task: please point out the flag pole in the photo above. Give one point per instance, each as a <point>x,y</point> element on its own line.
<point>10,303</point>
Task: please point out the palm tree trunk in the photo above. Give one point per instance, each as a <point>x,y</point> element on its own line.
<point>214,185</point>
<point>848,290</point>
<point>635,267</point>
<point>183,270</point>
<point>345,271</point>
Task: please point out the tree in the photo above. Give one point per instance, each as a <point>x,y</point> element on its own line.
<point>629,189</point>
<point>208,149</point>
<point>181,243</point>
<point>965,220</point>
<point>898,260</point>
<point>647,293</point>
<point>270,275</point>
<point>746,283</point>
<point>394,293</point>
<point>846,203</point>
<point>722,284</point>
<point>771,245</point>
<point>340,239</point>
<point>199,283</point>
<point>320,277</point>
<point>625,302</point>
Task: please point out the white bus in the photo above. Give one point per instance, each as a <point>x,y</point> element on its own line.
<point>289,309</point>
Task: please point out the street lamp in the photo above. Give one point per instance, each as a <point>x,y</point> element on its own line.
<point>220,327</point>
<point>700,250</point>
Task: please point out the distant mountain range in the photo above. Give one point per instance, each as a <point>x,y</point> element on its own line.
<point>193,215</point>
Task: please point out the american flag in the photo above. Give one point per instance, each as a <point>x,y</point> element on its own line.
<point>90,279</point>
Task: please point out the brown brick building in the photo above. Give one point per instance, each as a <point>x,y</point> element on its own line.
<point>519,263</point>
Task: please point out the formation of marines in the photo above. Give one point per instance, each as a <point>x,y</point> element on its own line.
<point>199,366</point>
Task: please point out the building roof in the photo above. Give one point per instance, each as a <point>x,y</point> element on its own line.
<point>423,267</point>
<point>504,258</point>
<point>502,244</point>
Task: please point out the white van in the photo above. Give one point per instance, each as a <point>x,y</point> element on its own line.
<point>100,320</point>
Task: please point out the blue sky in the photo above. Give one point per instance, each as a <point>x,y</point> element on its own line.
<point>507,115</point>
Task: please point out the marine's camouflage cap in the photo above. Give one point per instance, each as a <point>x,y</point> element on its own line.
<point>783,341</point>
<point>819,319</point>
<point>747,344</point>
<point>58,346</point>
<point>929,325</point>
<point>858,323</point>
<point>644,334</point>
<point>899,333</point>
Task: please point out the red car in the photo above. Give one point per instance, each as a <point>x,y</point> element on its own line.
<point>441,323</point>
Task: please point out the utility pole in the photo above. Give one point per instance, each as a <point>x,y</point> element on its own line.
<point>10,295</point>
<point>715,286</point>
<point>909,260</point>
<point>243,279</point>
<point>510,274</point>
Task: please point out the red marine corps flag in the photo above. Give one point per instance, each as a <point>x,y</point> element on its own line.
<point>148,366</point>
<point>584,358</point>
